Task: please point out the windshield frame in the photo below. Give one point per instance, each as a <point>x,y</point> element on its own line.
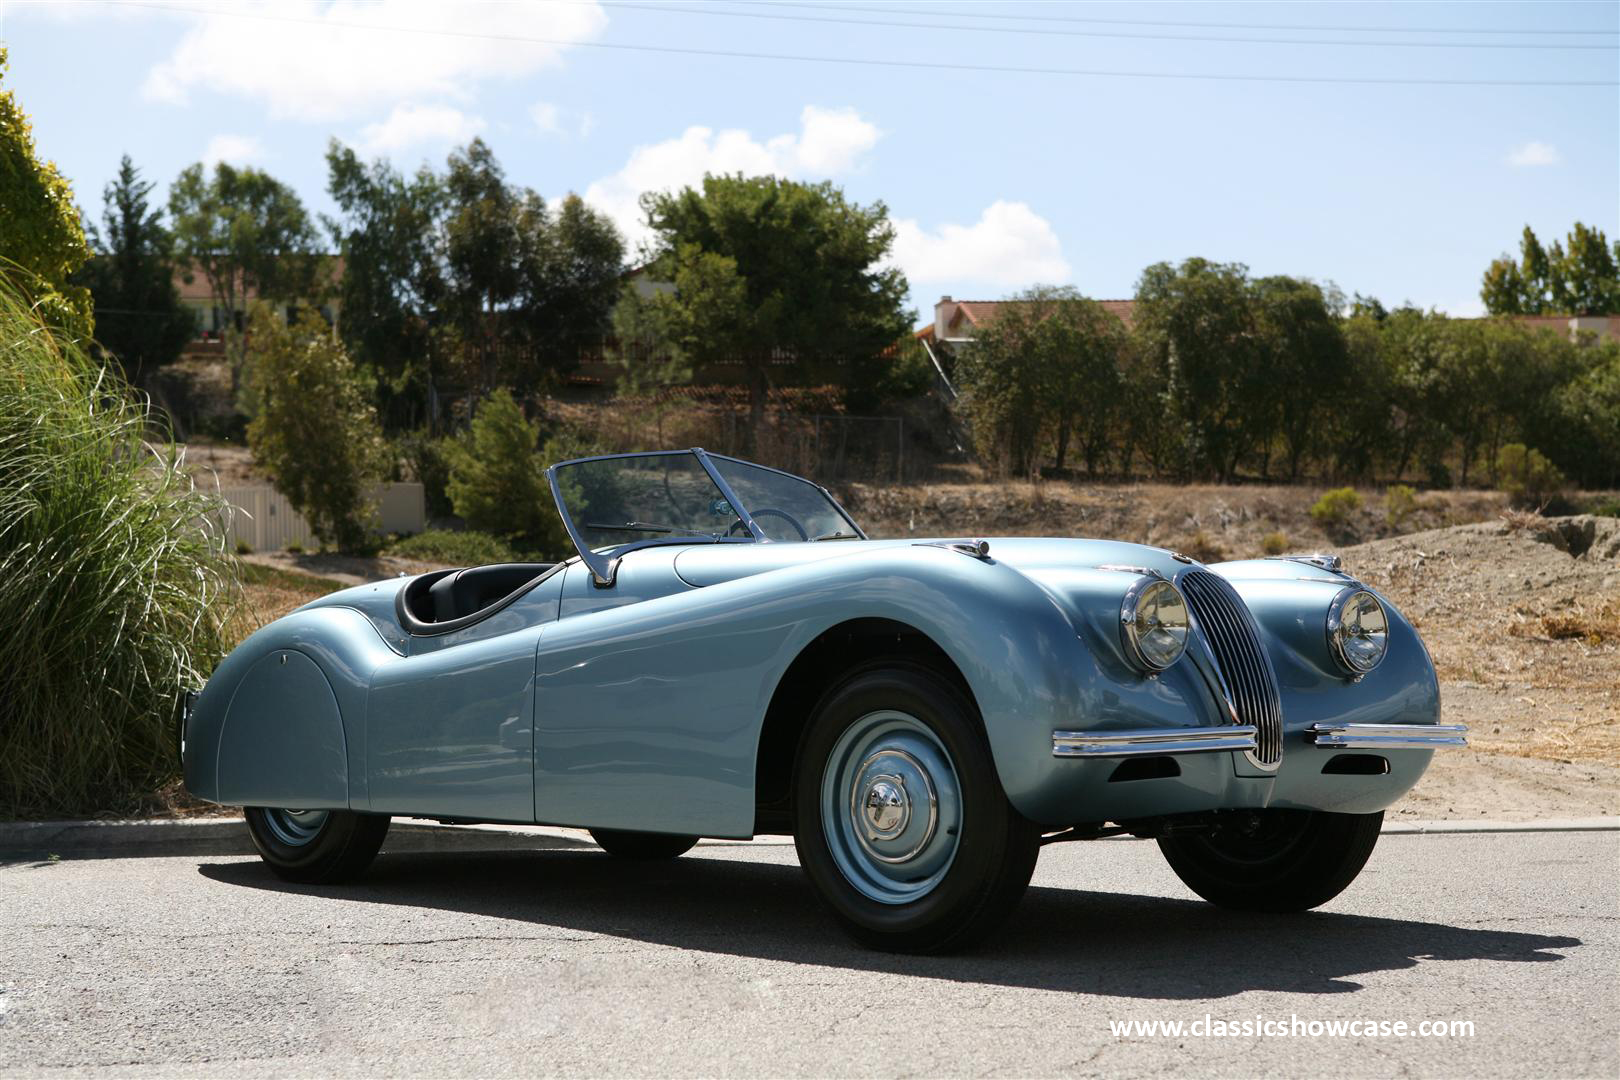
<point>604,565</point>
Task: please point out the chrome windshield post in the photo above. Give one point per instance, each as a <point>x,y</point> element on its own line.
<point>731,496</point>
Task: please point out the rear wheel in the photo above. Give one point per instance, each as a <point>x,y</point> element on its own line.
<point>1274,860</point>
<point>316,847</point>
<point>903,827</point>
<point>625,844</point>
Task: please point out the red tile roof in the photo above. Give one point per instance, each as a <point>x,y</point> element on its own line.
<point>984,312</point>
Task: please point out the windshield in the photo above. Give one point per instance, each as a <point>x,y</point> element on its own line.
<point>625,500</point>
<point>784,507</point>
<point>686,497</point>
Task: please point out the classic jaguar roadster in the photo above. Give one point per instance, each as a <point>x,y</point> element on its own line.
<point>728,655</point>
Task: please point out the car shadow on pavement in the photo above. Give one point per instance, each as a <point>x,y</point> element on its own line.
<point>1059,939</point>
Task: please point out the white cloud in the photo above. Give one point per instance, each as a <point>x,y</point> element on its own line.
<point>547,117</point>
<point>1009,246</point>
<point>409,125</point>
<point>829,142</point>
<point>1534,153</point>
<point>552,119</point>
<point>233,150</point>
<point>312,60</point>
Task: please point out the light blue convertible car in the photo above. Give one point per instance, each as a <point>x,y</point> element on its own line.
<point>729,655</point>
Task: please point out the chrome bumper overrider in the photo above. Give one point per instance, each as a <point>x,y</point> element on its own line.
<point>1387,736</point>
<point>1152,741</point>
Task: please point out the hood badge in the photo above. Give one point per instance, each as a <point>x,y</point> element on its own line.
<point>1179,557</point>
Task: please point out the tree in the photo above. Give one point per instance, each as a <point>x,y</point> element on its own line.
<point>498,478</point>
<point>466,275</point>
<point>394,279</point>
<point>316,431</point>
<point>1045,372</point>
<point>1196,323</point>
<point>42,240</point>
<point>482,248</point>
<point>139,317</point>
<point>568,282</point>
<point>1305,356</point>
<point>247,233</point>
<point>780,276</point>
<point>1582,278</point>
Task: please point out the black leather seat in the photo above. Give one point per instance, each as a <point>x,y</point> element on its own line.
<point>465,592</point>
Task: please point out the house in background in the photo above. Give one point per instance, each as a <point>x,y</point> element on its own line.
<point>212,320</point>
<point>957,322</point>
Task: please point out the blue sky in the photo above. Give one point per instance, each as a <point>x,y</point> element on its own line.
<point>996,179</point>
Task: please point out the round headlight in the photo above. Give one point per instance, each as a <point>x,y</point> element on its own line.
<point>1154,620</point>
<point>1357,630</point>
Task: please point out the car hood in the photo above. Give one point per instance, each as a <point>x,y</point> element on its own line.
<point>1035,557</point>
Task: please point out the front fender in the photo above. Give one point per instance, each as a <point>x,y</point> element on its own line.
<point>653,711</point>
<point>281,721</point>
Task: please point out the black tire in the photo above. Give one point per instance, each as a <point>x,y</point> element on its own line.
<point>995,846</point>
<point>624,844</point>
<point>1274,860</point>
<point>338,850</point>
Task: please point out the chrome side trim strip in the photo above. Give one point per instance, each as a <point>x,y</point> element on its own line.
<point>1152,741</point>
<point>1387,736</point>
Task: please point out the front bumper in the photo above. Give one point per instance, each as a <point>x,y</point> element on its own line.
<point>1387,736</point>
<point>1152,742</point>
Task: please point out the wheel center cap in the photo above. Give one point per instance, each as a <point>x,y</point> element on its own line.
<point>886,807</point>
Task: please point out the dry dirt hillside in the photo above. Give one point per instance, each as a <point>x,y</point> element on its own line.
<point>1209,521</point>
<point>1522,617</point>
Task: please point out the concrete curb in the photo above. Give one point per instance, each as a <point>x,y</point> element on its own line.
<point>229,836</point>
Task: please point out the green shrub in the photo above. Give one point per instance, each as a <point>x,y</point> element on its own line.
<point>244,548</point>
<point>469,548</point>
<point>315,431</point>
<point>1603,506</point>
<point>1400,503</point>
<point>428,463</point>
<point>113,579</point>
<point>498,478</point>
<point>1336,509</point>
<point>294,548</point>
<point>1274,543</point>
<point>1527,477</point>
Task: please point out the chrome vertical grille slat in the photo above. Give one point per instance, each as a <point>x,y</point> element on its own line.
<point>1234,639</point>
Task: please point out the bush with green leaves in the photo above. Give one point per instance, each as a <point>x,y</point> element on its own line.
<point>466,548</point>
<point>498,478</point>
<point>113,579</point>
<point>316,430</point>
<point>1400,503</point>
<point>1274,543</point>
<point>1336,509</point>
<point>1527,477</point>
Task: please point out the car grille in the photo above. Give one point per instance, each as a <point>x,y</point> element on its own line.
<point>1235,641</point>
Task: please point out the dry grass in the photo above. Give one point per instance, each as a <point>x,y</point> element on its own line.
<point>1235,521</point>
<point>1528,633</point>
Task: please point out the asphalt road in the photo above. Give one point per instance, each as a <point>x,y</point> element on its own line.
<point>564,961</point>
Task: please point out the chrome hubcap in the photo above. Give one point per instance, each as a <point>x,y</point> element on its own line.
<point>295,828</point>
<point>891,807</point>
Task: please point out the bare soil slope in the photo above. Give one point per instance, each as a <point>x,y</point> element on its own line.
<point>1522,617</point>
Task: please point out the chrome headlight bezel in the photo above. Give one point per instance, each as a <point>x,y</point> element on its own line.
<point>1130,610</point>
<point>1354,662</point>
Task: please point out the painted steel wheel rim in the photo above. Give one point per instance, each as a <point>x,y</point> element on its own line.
<point>295,828</point>
<point>891,807</point>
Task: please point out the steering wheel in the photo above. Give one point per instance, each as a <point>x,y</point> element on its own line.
<point>771,511</point>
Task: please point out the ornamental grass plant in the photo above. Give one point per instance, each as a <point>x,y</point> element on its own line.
<point>113,581</point>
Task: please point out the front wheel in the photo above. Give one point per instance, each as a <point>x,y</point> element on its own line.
<point>903,826</point>
<point>1274,860</point>
<point>316,847</point>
